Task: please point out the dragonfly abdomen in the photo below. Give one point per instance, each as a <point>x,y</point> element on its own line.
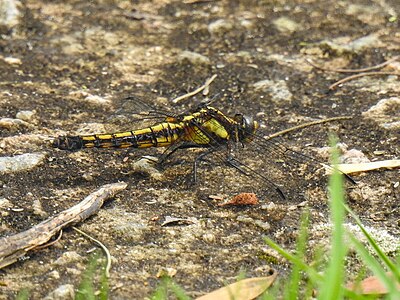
<point>161,135</point>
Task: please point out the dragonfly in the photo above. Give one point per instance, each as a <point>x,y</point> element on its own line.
<point>208,128</point>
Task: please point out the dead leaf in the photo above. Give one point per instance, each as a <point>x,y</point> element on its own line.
<point>242,199</point>
<point>216,197</point>
<point>369,286</point>
<point>245,289</point>
<point>170,221</point>
<point>363,167</point>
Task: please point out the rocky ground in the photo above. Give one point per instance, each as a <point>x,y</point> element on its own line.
<point>67,67</point>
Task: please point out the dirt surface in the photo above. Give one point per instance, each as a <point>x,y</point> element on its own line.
<point>67,67</point>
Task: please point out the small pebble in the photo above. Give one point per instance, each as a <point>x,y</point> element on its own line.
<point>87,177</point>
<point>12,60</point>
<point>220,26</point>
<point>9,12</point>
<point>194,58</point>
<point>94,99</point>
<point>242,199</point>
<point>209,238</point>
<point>54,274</point>
<point>166,271</point>
<point>147,165</point>
<point>38,208</point>
<point>284,24</point>
<point>65,291</point>
<point>383,108</point>
<point>5,203</point>
<point>278,90</point>
<point>12,124</point>
<point>68,257</point>
<point>26,115</point>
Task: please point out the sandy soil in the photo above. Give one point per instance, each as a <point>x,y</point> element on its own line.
<point>66,67</point>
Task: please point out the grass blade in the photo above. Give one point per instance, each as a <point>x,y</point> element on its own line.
<point>295,260</point>
<point>376,268</point>
<point>332,286</point>
<point>390,265</point>
<point>292,291</point>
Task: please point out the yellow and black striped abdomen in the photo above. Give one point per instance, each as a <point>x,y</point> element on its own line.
<point>161,135</point>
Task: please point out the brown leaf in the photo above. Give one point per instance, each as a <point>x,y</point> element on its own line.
<point>245,289</point>
<point>242,199</point>
<point>369,286</point>
<point>365,167</point>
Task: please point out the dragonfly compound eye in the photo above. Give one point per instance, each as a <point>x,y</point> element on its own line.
<point>248,127</point>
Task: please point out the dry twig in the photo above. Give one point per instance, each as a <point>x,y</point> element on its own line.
<point>361,72</point>
<point>348,78</point>
<point>307,125</point>
<point>353,70</point>
<point>205,85</point>
<point>197,1</point>
<point>16,246</point>
<point>108,255</point>
<point>48,244</point>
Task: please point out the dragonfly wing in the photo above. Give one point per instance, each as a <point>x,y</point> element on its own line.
<point>280,150</point>
<point>136,113</point>
<point>210,168</point>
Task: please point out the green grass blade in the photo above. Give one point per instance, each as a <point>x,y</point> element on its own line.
<point>292,290</point>
<point>167,284</point>
<point>390,265</point>
<point>295,260</point>
<point>332,287</point>
<point>161,291</point>
<point>104,287</point>
<point>376,268</point>
<point>22,294</point>
<point>86,290</point>
<point>178,291</point>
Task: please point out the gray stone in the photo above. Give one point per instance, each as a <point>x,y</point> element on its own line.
<point>9,13</point>
<point>63,292</point>
<point>278,90</point>
<point>345,44</point>
<point>386,113</point>
<point>26,115</point>
<point>21,162</point>
<point>194,58</point>
<point>220,26</point>
<point>284,24</point>
<point>12,124</point>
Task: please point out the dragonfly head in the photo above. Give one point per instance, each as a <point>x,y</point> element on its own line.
<point>247,127</point>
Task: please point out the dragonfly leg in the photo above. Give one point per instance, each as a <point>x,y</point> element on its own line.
<point>198,159</point>
<point>236,164</point>
<point>231,161</point>
<point>171,150</point>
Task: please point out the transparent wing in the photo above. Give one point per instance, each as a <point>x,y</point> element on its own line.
<point>266,167</point>
<point>219,170</point>
<point>133,113</point>
<point>298,157</point>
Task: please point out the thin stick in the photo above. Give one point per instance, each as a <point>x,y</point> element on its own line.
<point>17,245</point>
<point>353,70</point>
<point>206,84</point>
<point>197,1</point>
<point>307,125</point>
<point>348,78</point>
<point>50,243</point>
<point>365,167</point>
<point>108,255</point>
